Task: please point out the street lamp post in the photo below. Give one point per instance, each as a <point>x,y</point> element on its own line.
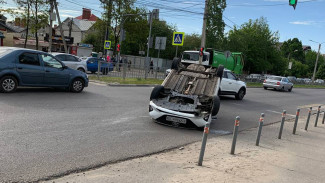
<point>315,68</point>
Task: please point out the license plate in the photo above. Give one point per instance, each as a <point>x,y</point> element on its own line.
<point>177,120</point>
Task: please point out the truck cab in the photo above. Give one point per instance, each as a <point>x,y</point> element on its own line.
<point>192,57</point>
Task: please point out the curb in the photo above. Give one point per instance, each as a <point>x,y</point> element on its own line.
<point>131,85</point>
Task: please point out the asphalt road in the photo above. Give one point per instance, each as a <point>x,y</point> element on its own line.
<point>46,133</point>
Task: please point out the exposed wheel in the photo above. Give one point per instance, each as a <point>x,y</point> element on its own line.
<point>93,72</point>
<point>8,84</point>
<point>240,95</point>
<point>156,92</point>
<point>290,89</point>
<point>175,63</point>
<point>282,89</point>
<point>220,71</point>
<point>81,69</point>
<point>215,106</point>
<point>77,85</point>
<point>265,88</point>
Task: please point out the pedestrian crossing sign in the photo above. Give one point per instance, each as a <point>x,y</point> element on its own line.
<point>178,38</point>
<point>107,45</point>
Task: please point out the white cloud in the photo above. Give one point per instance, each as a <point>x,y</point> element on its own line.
<point>303,22</point>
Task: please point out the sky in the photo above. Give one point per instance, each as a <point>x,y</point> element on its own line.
<point>306,23</point>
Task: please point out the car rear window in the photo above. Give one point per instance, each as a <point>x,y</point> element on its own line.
<point>276,78</point>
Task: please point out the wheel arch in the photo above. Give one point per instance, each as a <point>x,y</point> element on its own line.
<point>13,75</point>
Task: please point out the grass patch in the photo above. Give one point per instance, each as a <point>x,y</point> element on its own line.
<point>127,80</point>
<point>250,84</point>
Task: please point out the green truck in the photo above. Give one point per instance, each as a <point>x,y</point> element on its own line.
<point>234,62</point>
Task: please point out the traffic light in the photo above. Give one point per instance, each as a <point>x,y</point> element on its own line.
<point>293,3</point>
<point>201,51</point>
<point>118,47</point>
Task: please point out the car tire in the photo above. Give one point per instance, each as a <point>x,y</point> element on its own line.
<point>175,63</point>
<point>220,71</point>
<point>8,84</point>
<point>290,89</point>
<point>77,85</point>
<point>93,72</point>
<point>81,69</point>
<point>265,88</point>
<point>240,95</point>
<point>215,105</point>
<point>155,93</point>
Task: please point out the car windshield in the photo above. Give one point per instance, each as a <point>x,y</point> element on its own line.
<point>193,56</point>
<point>275,78</point>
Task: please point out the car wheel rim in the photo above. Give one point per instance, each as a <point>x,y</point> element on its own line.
<point>77,85</point>
<point>8,85</point>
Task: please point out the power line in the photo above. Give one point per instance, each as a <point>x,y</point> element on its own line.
<point>261,5</point>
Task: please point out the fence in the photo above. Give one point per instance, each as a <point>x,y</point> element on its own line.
<point>138,67</point>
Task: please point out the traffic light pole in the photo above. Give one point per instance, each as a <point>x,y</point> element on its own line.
<point>204,29</point>
<point>315,68</point>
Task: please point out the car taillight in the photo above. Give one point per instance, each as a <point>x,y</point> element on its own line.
<point>277,83</point>
<point>264,81</point>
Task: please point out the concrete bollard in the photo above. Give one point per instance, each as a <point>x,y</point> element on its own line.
<point>260,126</point>
<point>323,118</point>
<point>296,122</point>
<point>308,118</point>
<point>318,111</point>
<point>204,141</point>
<point>234,138</point>
<point>282,123</point>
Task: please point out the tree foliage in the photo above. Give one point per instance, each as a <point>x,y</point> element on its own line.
<point>257,42</point>
<point>311,59</point>
<point>294,48</point>
<point>321,72</point>
<point>215,24</point>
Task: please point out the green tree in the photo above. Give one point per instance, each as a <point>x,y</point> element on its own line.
<point>321,72</point>
<point>96,35</point>
<point>257,42</point>
<point>294,48</point>
<point>298,69</point>
<point>215,24</point>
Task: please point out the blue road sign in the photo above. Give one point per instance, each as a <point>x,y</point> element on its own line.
<point>107,45</point>
<point>178,38</point>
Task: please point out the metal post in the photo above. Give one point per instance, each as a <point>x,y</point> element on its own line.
<point>323,118</point>
<point>147,61</point>
<point>296,122</point>
<point>98,69</point>
<point>124,70</point>
<point>204,141</point>
<point>50,28</point>
<point>260,126</point>
<point>234,138</point>
<point>60,26</point>
<point>318,111</point>
<point>308,118</point>
<point>176,51</point>
<point>282,123</point>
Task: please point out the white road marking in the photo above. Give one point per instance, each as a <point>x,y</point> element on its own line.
<point>280,113</point>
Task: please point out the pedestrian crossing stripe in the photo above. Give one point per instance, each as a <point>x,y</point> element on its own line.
<point>107,44</point>
<point>178,38</point>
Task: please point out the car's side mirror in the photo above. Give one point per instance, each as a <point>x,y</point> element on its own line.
<point>65,67</point>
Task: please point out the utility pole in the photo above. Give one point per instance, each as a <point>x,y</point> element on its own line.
<point>313,79</point>
<point>60,26</point>
<point>50,28</point>
<point>70,27</point>
<point>204,29</point>
<point>148,44</point>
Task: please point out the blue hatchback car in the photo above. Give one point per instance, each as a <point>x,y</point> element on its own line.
<point>25,67</point>
<point>92,65</point>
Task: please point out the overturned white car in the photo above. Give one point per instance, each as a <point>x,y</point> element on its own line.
<point>188,95</point>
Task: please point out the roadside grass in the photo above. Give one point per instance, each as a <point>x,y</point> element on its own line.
<point>120,80</point>
<point>250,84</point>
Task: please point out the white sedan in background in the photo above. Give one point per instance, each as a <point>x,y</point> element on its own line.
<point>71,61</point>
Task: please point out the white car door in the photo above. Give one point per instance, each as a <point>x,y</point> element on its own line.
<point>229,82</point>
<point>72,62</point>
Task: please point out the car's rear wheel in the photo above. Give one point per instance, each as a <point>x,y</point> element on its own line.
<point>81,69</point>
<point>156,92</point>
<point>265,88</point>
<point>220,71</point>
<point>290,89</point>
<point>93,72</point>
<point>215,106</point>
<point>240,95</point>
<point>77,85</point>
<point>8,84</point>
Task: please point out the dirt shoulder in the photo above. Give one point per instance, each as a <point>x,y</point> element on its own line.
<point>294,158</point>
